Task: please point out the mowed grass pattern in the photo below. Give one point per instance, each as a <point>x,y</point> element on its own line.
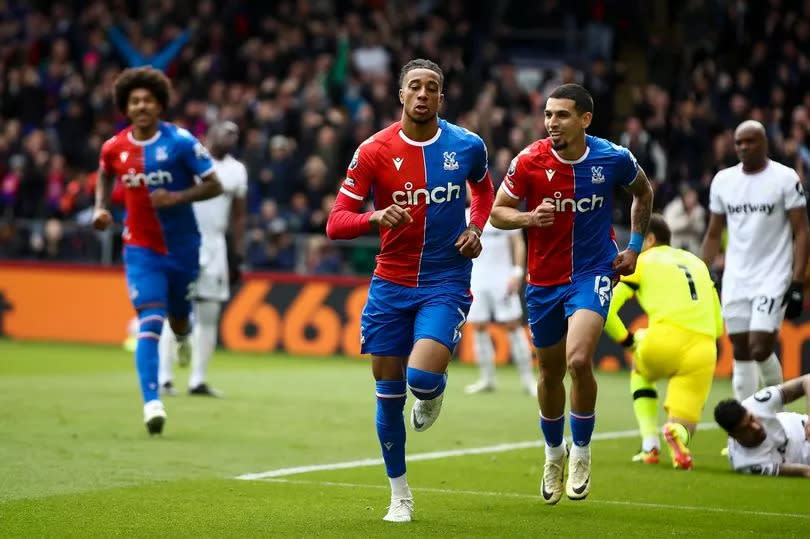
<point>75,459</point>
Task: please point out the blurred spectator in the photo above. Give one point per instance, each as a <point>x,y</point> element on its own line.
<point>687,220</point>
<point>307,82</point>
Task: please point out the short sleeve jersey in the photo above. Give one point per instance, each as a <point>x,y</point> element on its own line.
<point>581,240</point>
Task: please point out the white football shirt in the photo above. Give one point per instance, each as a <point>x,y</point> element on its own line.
<point>493,266</point>
<point>784,437</point>
<point>759,255</point>
<point>213,214</point>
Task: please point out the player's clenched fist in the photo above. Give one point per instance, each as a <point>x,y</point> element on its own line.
<point>625,262</point>
<point>469,243</point>
<point>391,217</point>
<point>542,215</point>
<point>101,219</point>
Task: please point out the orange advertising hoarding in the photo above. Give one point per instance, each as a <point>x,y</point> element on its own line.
<point>300,315</point>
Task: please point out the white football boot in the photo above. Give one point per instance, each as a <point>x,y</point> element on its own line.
<point>551,487</point>
<point>401,509</point>
<point>579,476</point>
<point>425,412</point>
<point>154,416</point>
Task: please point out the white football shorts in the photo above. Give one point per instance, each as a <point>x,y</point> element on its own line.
<point>758,313</point>
<point>490,302</point>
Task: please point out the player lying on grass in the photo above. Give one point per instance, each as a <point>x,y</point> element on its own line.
<point>676,291</point>
<point>762,438</point>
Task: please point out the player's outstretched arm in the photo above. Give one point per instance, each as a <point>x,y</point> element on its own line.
<point>794,470</point>
<point>102,218</point>
<point>209,187</point>
<point>506,215</point>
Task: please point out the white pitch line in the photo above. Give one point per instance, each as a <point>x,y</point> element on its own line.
<point>537,497</point>
<point>433,455</point>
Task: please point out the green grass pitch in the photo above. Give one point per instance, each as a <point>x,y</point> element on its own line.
<point>75,459</point>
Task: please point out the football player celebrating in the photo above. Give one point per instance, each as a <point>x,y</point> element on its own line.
<point>419,169</point>
<point>567,181</point>
<point>157,163</point>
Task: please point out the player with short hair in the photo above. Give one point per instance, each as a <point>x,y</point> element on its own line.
<point>762,438</point>
<point>675,289</point>
<point>212,287</point>
<point>762,204</point>
<point>419,169</point>
<point>495,283</point>
<point>567,181</point>
<point>157,163</point>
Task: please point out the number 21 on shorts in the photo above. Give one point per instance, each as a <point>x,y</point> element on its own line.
<point>603,287</point>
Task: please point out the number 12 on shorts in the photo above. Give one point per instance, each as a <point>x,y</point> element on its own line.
<point>603,286</point>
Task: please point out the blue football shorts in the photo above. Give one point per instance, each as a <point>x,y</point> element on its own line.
<point>550,306</point>
<point>397,316</point>
<point>168,281</point>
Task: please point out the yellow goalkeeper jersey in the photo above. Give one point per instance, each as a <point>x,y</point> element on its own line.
<point>672,286</point>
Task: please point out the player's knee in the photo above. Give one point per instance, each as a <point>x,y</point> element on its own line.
<point>741,351</point>
<point>551,372</point>
<point>760,351</point>
<point>426,385</point>
<point>579,364</point>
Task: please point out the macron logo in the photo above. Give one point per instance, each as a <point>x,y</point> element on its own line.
<point>746,208</point>
<point>397,162</point>
<point>550,173</point>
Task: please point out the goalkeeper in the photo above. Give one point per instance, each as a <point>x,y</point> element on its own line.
<point>674,288</point>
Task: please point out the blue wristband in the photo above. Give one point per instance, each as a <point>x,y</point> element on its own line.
<point>636,240</point>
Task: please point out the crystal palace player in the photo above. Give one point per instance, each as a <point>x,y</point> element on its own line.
<point>157,163</point>
<point>418,169</point>
<point>568,181</point>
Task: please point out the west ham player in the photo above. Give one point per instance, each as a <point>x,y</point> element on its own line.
<point>157,163</point>
<point>762,204</point>
<point>418,169</point>
<point>495,284</point>
<point>762,438</point>
<point>567,180</point>
<point>212,286</point>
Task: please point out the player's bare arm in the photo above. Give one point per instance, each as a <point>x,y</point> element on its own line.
<point>794,470</point>
<point>101,215</point>
<point>506,215</point>
<point>795,389</point>
<point>713,238</point>
<point>640,211</point>
<point>209,187</point>
<point>391,217</point>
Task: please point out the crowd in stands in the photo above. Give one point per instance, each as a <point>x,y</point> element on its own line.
<point>308,80</point>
